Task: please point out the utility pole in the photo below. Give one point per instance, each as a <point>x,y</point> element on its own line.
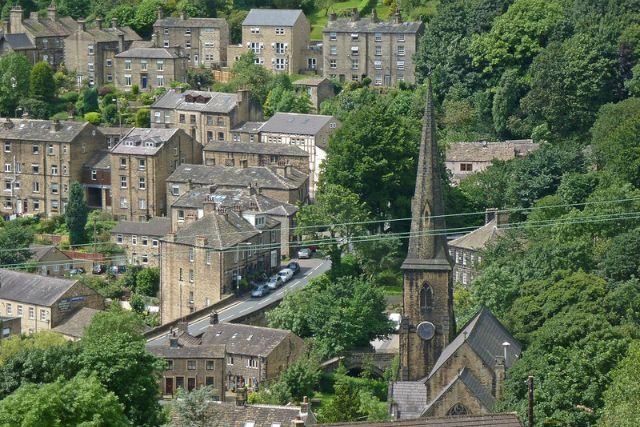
<point>530,405</point>
<point>95,234</point>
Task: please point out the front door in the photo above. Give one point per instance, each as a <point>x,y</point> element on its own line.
<point>179,383</point>
<point>191,383</point>
<point>19,206</point>
<point>311,63</point>
<point>143,81</point>
<point>168,386</point>
<point>24,205</point>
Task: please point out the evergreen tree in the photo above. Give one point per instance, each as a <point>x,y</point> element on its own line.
<point>76,214</point>
<point>41,83</point>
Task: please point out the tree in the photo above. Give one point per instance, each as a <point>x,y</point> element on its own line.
<point>143,118</point>
<point>200,78</point>
<point>285,100</point>
<point>15,70</point>
<point>621,261</point>
<point>622,397</point>
<point>195,409</point>
<point>336,210</point>
<point>76,214</point>
<point>148,281</point>
<point>302,377</point>
<point>619,150</point>
<point>345,405</point>
<point>88,102</point>
<point>74,8</point>
<point>79,401</point>
<point>17,237</point>
<point>245,73</point>
<point>117,321</point>
<point>39,340</point>
<point>41,83</point>
<point>35,108</point>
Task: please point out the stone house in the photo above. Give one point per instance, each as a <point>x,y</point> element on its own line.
<point>206,116</point>
<point>50,261</point>
<point>310,132</point>
<point>114,134</point>
<point>283,183</point>
<point>149,68</point>
<point>73,327</point>
<point>355,48</point>
<point>141,240</point>
<point>247,132</point>
<point>465,250</point>
<point>244,154</point>
<point>204,40</point>
<point>481,420</point>
<point>207,258</point>
<point>190,207</point>
<point>19,43</point>
<point>9,326</point>
<point>279,39</point>
<point>465,158</point>
<point>43,302</point>
<point>91,52</point>
<point>41,159</point>
<point>191,364</point>
<point>140,164</point>
<point>96,181</point>
<point>46,34</point>
<point>318,89</point>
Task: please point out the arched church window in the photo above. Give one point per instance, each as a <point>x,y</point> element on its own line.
<point>458,409</point>
<point>426,297</point>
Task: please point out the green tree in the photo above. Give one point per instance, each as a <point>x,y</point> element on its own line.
<point>35,108</point>
<point>88,102</point>
<point>302,377</point>
<point>143,118</point>
<point>148,281</point>
<point>506,111</point>
<point>245,73</point>
<point>621,261</point>
<point>17,237</point>
<point>74,8</point>
<point>41,83</point>
<point>200,78</point>
<point>345,405</point>
<point>79,401</point>
<point>15,70</point>
<point>76,214</point>
<point>622,397</point>
<point>194,409</point>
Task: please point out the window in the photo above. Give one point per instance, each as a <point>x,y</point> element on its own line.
<point>180,274</point>
<point>157,117</point>
<point>191,255</point>
<point>160,81</point>
<point>90,49</point>
<point>7,167</point>
<point>464,258</point>
<point>182,118</point>
<point>19,311</point>
<point>35,168</point>
<point>355,50</point>
<point>94,175</point>
<point>35,149</point>
<point>32,313</point>
<point>466,167</point>
<point>7,185</point>
<point>142,183</point>
<point>279,31</point>
<point>9,309</point>
<point>210,365</point>
<point>401,50</point>
<point>229,360</point>
<point>378,37</point>
<point>220,136</point>
<point>333,36</point>
<point>127,79</point>
<point>333,49</point>
<point>354,37</point>
<point>255,30</point>
<point>43,315</point>
<point>192,119</point>
<point>169,365</point>
<point>7,147</point>
<point>175,190</point>
<point>355,77</point>
<point>252,362</point>
<point>458,409</point>
<point>64,170</point>
<point>54,188</point>
<point>18,167</point>
<point>166,43</point>
<point>208,381</point>
<point>280,64</point>
<point>180,215</point>
<point>123,181</point>
<point>426,297</point>
<point>143,65</point>
<point>142,204</point>
<point>377,65</point>
<point>154,243</point>
<point>7,203</point>
<point>54,169</point>
<point>124,203</point>
<point>332,125</point>
<point>134,239</point>
<point>354,66</point>
<point>208,258</point>
<point>191,278</point>
<point>160,65</point>
<point>401,37</point>
<point>464,278</point>
<point>109,62</point>
<point>378,51</point>
<point>16,185</point>
<point>333,63</point>
<point>35,187</point>
<point>166,31</point>
<point>127,64</point>
<point>90,67</point>
<point>145,241</point>
<point>187,44</point>
<point>191,365</point>
<point>255,47</point>
<point>280,48</point>
<point>400,65</point>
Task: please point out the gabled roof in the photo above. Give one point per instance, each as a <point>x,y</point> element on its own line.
<point>114,131</point>
<point>45,27</point>
<point>129,34</point>
<point>179,22</point>
<point>485,334</point>
<point>232,198</point>
<point>483,151</point>
<point>476,389</point>
<point>100,160</point>
<point>148,52</point>
<point>74,326</point>
<point>249,127</point>
<point>479,237</point>
<point>365,25</point>
<point>40,251</point>
<point>231,415</point>
<point>41,130</point>
<point>187,346</point>
<point>410,397</point>
<point>256,148</point>
<point>18,41</point>
<point>273,17</point>
<point>144,141</point>
<point>312,81</point>
<point>155,227</point>
<point>487,420</point>
<point>32,288</point>
<point>302,124</point>
<point>223,176</point>
<point>245,339</point>
<point>222,231</point>
<point>197,100</point>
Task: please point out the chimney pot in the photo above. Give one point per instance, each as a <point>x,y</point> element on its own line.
<point>33,16</point>
<point>355,16</point>
<point>213,318</point>
<point>333,16</point>
<point>160,13</point>
<point>241,396</point>
<point>114,22</point>
<point>98,22</point>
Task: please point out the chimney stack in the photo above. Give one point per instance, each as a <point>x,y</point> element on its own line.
<point>160,13</point>
<point>52,12</point>
<point>374,15</point>
<point>6,27</point>
<point>33,16</point>
<point>304,406</point>
<point>98,22</point>
<point>298,422</point>
<point>355,16</point>
<point>201,241</point>
<point>499,370</point>
<point>213,318</point>
<point>56,126</point>
<point>241,396</point>
<point>208,207</point>
<point>81,24</point>
<point>15,20</point>
<point>183,15</point>
<point>8,124</point>
<point>333,16</point>
<point>114,22</point>
<point>173,340</point>
<point>397,18</point>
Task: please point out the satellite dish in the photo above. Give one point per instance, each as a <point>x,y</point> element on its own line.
<point>426,330</point>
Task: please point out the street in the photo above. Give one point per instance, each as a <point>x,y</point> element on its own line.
<point>309,268</point>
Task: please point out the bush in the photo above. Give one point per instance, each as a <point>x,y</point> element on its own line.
<point>93,118</point>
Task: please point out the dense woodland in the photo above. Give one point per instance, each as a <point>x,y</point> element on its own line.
<point>564,278</point>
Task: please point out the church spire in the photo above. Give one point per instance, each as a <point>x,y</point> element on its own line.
<point>427,241</point>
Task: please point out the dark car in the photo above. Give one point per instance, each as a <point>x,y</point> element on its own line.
<point>99,269</point>
<point>260,291</point>
<point>294,266</point>
<point>76,271</point>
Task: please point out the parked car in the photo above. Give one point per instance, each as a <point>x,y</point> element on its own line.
<point>76,271</point>
<point>118,269</point>
<point>304,253</point>
<point>275,282</point>
<point>286,274</point>
<point>260,291</point>
<point>294,266</point>
<point>99,269</point>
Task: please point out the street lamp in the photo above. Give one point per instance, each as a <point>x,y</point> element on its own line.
<point>239,276</point>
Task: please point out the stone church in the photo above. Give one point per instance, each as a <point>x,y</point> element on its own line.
<point>442,373</point>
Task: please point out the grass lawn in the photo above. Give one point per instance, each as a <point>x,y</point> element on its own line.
<point>319,18</point>
<point>392,290</point>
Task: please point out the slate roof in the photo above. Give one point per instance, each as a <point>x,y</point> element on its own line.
<point>218,102</point>
<point>148,52</point>
<point>40,130</point>
<point>482,151</point>
<point>144,141</point>
<point>488,420</point>
<point>222,231</point>
<point>230,415</point>
<point>256,148</point>
<point>272,17</point>
<point>155,227</point>
<point>74,326</point>
<point>45,27</point>
<point>249,127</point>
<point>411,397</point>
<point>311,81</point>
<point>114,131</point>
<point>475,388</point>
<point>231,198</point>
<point>129,34</point>
<point>244,339</point>
<point>365,25</point>
<point>178,22</point>
<point>40,251</point>
<point>32,288</point>
<point>478,238</point>
<point>99,160</point>
<point>485,334</point>
<point>302,124</point>
<point>18,41</point>
<point>265,176</point>
<point>188,346</point>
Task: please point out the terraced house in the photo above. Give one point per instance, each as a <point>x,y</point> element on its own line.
<point>41,158</point>
<point>149,68</point>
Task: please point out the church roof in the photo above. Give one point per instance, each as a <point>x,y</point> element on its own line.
<point>485,334</point>
<point>411,397</point>
<point>471,382</point>
<point>485,420</point>
<point>479,237</point>
<point>428,244</point>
